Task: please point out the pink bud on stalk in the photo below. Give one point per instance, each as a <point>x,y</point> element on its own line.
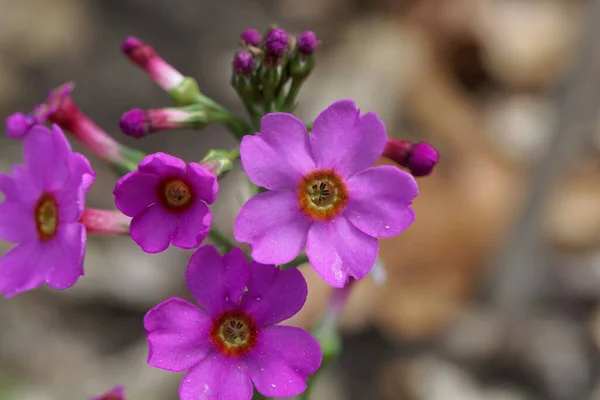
<point>105,222</point>
<point>145,57</point>
<point>138,123</point>
<point>420,158</point>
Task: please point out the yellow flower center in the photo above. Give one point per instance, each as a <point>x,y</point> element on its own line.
<point>175,194</point>
<point>234,333</point>
<point>46,217</point>
<point>322,194</point>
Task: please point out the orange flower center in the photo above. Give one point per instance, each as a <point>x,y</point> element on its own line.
<point>175,194</point>
<point>46,217</point>
<point>322,194</point>
<point>234,333</point>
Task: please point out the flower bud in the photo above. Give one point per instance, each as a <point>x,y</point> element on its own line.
<point>219,162</point>
<point>307,42</point>
<point>17,125</point>
<point>243,62</point>
<point>250,37</point>
<point>276,43</point>
<point>147,59</point>
<point>420,158</point>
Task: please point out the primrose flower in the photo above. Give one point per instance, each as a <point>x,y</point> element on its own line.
<point>43,202</point>
<point>230,343</point>
<point>323,192</point>
<point>167,201</point>
<point>116,393</point>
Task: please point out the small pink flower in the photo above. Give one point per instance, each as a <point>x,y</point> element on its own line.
<point>230,343</point>
<point>116,393</point>
<point>44,200</point>
<point>323,192</point>
<point>167,201</point>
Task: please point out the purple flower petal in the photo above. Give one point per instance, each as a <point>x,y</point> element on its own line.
<point>194,225</point>
<point>282,359</point>
<point>380,199</point>
<point>16,222</point>
<point>64,256</point>
<point>345,141</point>
<point>278,156</point>
<point>178,335</point>
<point>136,191</point>
<point>162,164</point>
<point>27,191</point>
<point>274,225</point>
<point>152,228</point>
<point>21,269</point>
<point>46,157</point>
<point>217,378</point>
<point>216,282</point>
<point>273,295</point>
<point>204,183</point>
<point>337,250</point>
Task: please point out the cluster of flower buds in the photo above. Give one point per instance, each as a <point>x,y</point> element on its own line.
<point>269,71</point>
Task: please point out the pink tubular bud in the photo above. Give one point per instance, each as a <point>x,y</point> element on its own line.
<point>147,59</point>
<point>307,42</point>
<point>139,123</point>
<point>18,124</point>
<point>420,158</point>
<point>250,37</point>
<point>105,222</point>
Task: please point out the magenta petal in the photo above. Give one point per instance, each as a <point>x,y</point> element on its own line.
<point>274,225</point>
<point>337,250</point>
<point>217,378</point>
<point>21,269</point>
<point>136,191</point>
<point>8,187</point>
<point>64,256</point>
<point>282,359</point>
<point>153,227</point>
<point>380,199</point>
<point>216,282</point>
<point>162,164</point>
<point>278,156</point>
<point>178,335</point>
<point>17,223</point>
<point>194,225</point>
<point>273,295</point>
<point>204,183</point>
<point>46,157</point>
<point>345,141</point>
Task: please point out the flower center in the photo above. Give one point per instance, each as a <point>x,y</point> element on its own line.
<point>322,194</point>
<point>234,333</point>
<point>46,217</point>
<point>175,194</point>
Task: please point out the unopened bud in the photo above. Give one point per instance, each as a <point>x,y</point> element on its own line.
<point>147,59</point>
<point>250,37</point>
<point>420,158</point>
<point>18,124</point>
<point>243,62</point>
<point>307,42</point>
<point>276,45</point>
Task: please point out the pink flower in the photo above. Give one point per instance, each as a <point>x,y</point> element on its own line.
<point>116,393</point>
<point>44,200</point>
<point>323,192</point>
<point>230,343</point>
<point>167,201</point>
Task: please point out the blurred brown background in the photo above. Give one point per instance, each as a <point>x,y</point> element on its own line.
<point>491,294</point>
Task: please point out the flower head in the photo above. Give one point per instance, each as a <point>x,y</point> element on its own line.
<point>307,42</point>
<point>276,42</point>
<point>167,200</point>
<point>323,192</point>
<point>250,37</point>
<point>116,393</point>
<point>243,62</point>
<point>43,201</point>
<point>230,343</point>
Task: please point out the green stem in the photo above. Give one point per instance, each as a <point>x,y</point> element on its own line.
<point>295,262</point>
<point>290,100</point>
<point>219,239</point>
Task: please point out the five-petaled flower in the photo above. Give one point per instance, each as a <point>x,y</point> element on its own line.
<point>230,342</point>
<point>43,201</point>
<point>168,202</point>
<point>323,192</point>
